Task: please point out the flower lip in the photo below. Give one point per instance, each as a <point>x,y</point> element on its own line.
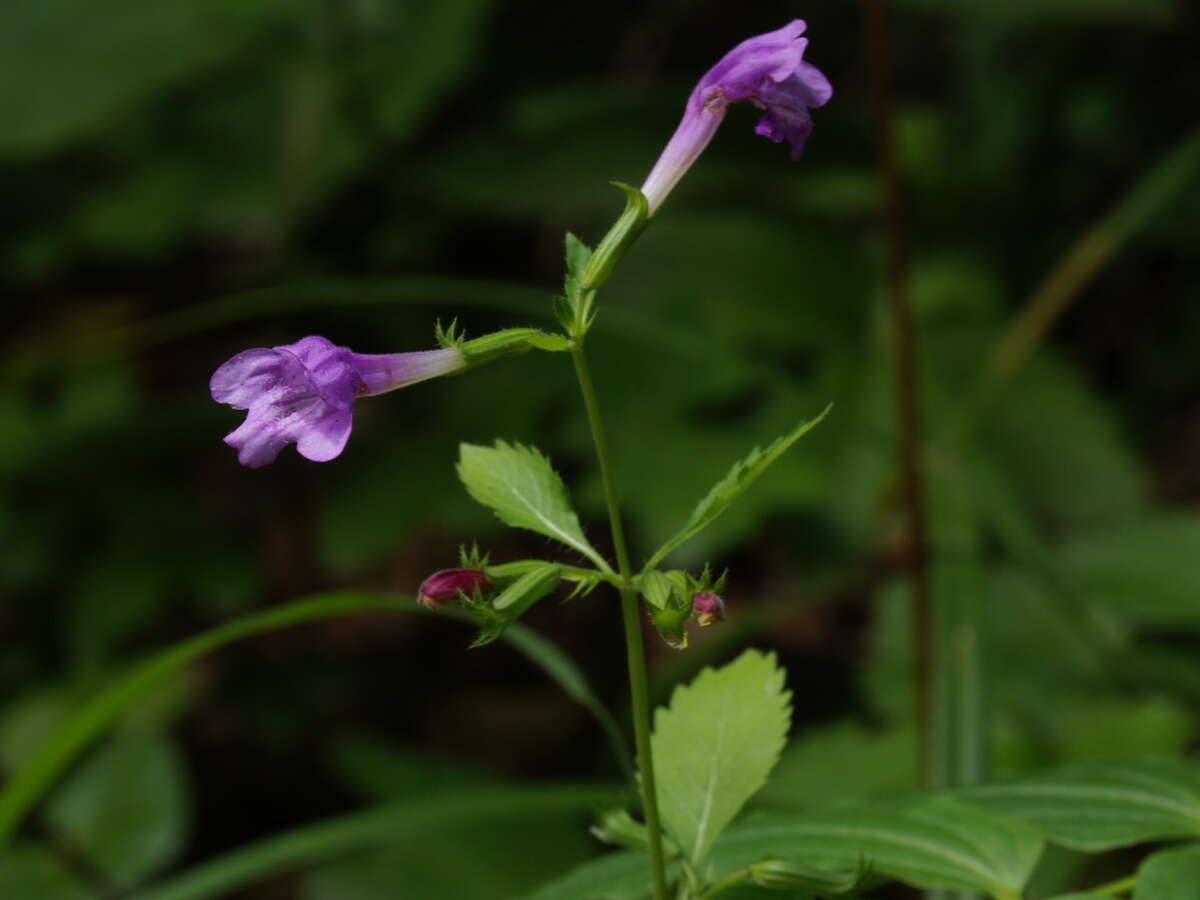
<point>304,393</point>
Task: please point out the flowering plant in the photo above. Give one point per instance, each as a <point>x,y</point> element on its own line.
<point>303,393</point>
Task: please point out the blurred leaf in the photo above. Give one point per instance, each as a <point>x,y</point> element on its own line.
<point>384,772</point>
<point>115,598</point>
<point>422,866</point>
<point>125,807</point>
<point>715,745</point>
<point>1169,875</point>
<point>30,872</point>
<point>28,721</point>
<point>1060,449</point>
<point>76,732</point>
<point>840,764</point>
<point>725,491</point>
<point>331,839</point>
<point>520,485</point>
<point>623,875</point>
<point>1099,806</point>
<point>1066,11</point>
<point>70,66</point>
<point>414,52</point>
<point>1144,568</point>
<point>935,843</point>
<point>568,676</point>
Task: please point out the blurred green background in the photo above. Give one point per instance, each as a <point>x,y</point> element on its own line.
<point>185,179</point>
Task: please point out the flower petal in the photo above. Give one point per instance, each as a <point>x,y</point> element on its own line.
<point>245,377</point>
<point>325,438</point>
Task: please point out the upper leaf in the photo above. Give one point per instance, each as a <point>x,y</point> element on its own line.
<point>725,491</point>
<point>525,492</point>
<point>1100,806</point>
<point>715,745</point>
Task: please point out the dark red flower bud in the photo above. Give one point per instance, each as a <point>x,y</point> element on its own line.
<point>708,608</point>
<point>443,588</point>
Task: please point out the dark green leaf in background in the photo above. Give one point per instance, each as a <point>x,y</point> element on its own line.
<point>125,807</point>
<point>31,872</point>
<point>934,843</point>
<point>1100,806</point>
<point>1170,875</point>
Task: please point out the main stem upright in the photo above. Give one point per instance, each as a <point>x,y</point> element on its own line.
<point>633,626</point>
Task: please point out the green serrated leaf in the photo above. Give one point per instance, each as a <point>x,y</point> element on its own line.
<point>1100,806</point>
<point>1170,875</point>
<point>715,745</point>
<point>725,491</point>
<point>520,485</point>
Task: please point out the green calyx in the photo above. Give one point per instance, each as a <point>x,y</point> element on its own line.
<point>508,342</point>
<point>669,596</point>
<point>619,239</point>
<point>588,270</point>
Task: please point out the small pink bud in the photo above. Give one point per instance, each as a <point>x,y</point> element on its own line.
<point>443,588</point>
<point>708,608</point>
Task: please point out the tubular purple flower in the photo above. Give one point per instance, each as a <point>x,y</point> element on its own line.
<point>304,393</point>
<point>769,71</point>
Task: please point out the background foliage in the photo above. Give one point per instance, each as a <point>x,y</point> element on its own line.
<point>186,179</point>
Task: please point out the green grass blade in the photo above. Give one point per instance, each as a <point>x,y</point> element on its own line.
<point>313,844</point>
<point>87,724</point>
<point>82,728</point>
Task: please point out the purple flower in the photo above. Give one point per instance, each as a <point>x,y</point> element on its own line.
<point>708,608</point>
<point>444,587</point>
<point>304,393</point>
<point>768,71</point>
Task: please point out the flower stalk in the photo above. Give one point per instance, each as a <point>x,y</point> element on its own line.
<point>635,649</point>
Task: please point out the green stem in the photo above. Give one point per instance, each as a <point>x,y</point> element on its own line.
<point>633,627</point>
<point>725,883</point>
<point>1118,887</point>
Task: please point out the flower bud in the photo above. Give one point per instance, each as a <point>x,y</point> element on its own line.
<point>443,588</point>
<point>708,608</point>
